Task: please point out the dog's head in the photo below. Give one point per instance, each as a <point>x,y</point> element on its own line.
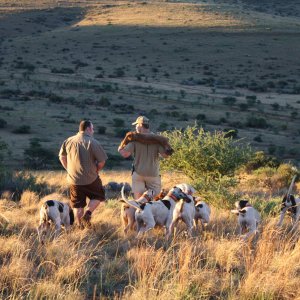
<point>162,194</point>
<point>176,193</point>
<point>148,195</point>
<point>241,212</point>
<point>71,214</point>
<point>240,207</point>
<point>241,204</point>
<point>42,230</point>
<point>186,188</point>
<point>289,202</point>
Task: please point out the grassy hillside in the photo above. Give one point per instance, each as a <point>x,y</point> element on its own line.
<point>225,65</point>
<point>104,263</point>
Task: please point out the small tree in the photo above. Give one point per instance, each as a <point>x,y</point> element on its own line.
<point>209,160</point>
<point>38,158</point>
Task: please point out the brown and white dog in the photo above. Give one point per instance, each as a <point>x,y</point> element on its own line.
<point>248,218</point>
<point>159,212</point>
<point>184,210</point>
<point>290,205</point>
<point>202,213</point>
<point>56,212</point>
<point>128,212</point>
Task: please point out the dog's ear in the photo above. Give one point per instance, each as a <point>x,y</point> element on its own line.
<point>242,211</point>
<point>71,214</point>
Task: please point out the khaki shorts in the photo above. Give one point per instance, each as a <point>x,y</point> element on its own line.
<point>142,183</point>
<point>94,191</point>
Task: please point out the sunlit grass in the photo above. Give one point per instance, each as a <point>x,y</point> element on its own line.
<point>103,261</point>
<point>159,14</point>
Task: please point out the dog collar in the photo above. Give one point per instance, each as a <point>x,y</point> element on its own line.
<point>172,196</point>
<point>147,197</point>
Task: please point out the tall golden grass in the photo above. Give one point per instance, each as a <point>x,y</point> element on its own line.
<point>104,263</point>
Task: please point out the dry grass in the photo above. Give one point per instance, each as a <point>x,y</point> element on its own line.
<point>103,262</point>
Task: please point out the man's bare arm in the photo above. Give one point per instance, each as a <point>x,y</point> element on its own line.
<point>64,161</point>
<point>100,165</point>
<point>124,153</point>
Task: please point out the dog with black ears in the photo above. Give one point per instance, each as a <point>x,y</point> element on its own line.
<point>159,212</point>
<point>57,213</point>
<point>248,218</point>
<point>290,205</point>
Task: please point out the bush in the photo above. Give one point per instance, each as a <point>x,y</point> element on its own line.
<point>209,160</point>
<point>3,123</point>
<point>24,129</point>
<point>62,70</point>
<point>19,182</point>
<point>101,129</point>
<point>201,117</point>
<point>38,158</point>
<point>256,122</point>
<point>3,149</point>
<point>163,126</point>
<point>103,102</point>
<point>121,132</point>
<point>259,160</point>
<point>275,178</point>
<point>229,100</point>
<point>118,122</point>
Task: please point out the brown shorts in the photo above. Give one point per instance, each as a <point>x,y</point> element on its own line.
<point>94,191</point>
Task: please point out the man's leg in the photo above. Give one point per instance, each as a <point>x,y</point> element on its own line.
<point>78,202</point>
<point>96,193</point>
<point>138,185</point>
<point>153,183</point>
<point>78,213</point>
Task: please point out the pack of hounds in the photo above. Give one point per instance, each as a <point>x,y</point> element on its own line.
<point>166,210</point>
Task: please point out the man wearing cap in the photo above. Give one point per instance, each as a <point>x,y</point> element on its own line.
<point>145,168</point>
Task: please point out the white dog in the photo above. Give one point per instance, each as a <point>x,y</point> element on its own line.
<point>56,212</point>
<point>248,218</point>
<point>202,213</point>
<point>128,212</point>
<point>290,205</point>
<point>157,212</point>
<point>184,210</point>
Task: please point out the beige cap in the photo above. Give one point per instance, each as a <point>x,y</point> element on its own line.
<point>141,120</point>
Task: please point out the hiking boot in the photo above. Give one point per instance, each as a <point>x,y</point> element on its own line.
<point>86,219</point>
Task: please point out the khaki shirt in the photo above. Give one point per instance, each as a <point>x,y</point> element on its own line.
<point>83,154</point>
<point>146,158</point>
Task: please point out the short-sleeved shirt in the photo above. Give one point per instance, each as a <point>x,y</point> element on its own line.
<point>83,154</point>
<point>146,157</point>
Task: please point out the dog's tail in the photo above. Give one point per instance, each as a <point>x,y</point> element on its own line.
<point>181,204</point>
<point>131,203</point>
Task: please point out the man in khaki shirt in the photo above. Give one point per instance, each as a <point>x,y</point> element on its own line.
<point>145,173</point>
<point>83,157</point>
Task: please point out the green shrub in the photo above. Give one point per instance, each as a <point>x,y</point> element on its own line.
<point>229,100</point>
<point>209,160</point>
<point>118,122</point>
<point>62,70</point>
<point>163,126</point>
<point>18,182</point>
<point>201,117</point>
<point>101,129</point>
<point>257,122</point>
<point>275,178</point>
<point>3,123</point>
<point>259,160</point>
<point>120,132</point>
<point>103,102</point>
<point>23,129</point>
<point>38,158</point>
